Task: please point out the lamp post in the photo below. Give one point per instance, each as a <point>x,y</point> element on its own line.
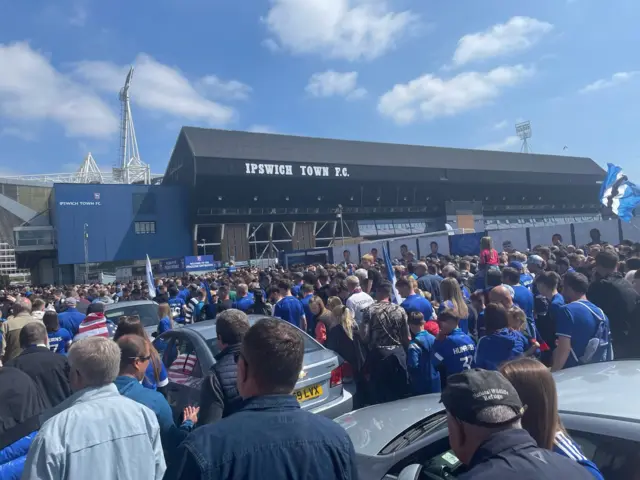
<point>204,246</point>
<point>339,215</point>
<point>86,253</point>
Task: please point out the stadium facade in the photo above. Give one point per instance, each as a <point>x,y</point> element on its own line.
<point>247,195</point>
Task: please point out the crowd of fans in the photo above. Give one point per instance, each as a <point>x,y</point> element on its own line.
<point>82,396</point>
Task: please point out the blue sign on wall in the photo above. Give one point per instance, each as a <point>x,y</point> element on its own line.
<point>465,244</point>
<point>172,265</point>
<point>124,222</point>
<point>201,262</point>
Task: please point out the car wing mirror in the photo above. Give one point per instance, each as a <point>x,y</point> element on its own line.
<point>154,334</point>
<point>411,472</point>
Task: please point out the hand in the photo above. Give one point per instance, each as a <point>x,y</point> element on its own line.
<point>536,344</point>
<point>191,413</point>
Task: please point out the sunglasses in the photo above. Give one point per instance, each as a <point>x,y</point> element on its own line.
<point>142,359</point>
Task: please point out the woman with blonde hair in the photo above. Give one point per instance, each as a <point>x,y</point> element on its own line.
<point>536,388</point>
<point>450,292</point>
<point>166,318</point>
<point>322,318</point>
<point>333,302</point>
<point>414,286</point>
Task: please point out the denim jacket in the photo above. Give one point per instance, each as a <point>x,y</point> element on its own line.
<point>101,435</point>
<point>270,437</point>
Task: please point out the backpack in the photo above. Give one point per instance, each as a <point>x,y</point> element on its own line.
<point>199,312</point>
<point>599,346</point>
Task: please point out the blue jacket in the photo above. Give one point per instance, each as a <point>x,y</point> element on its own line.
<point>71,319</point>
<point>424,377</point>
<point>271,437</point>
<point>512,453</point>
<point>12,458</point>
<point>170,434</point>
<point>495,349</point>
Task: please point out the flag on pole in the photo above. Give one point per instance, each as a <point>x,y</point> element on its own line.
<point>150,281</point>
<point>391,276</point>
<point>619,194</point>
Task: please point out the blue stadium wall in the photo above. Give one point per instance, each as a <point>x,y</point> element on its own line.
<point>111,213</point>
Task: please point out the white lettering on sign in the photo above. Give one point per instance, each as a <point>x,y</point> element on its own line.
<point>80,204</point>
<point>287,170</point>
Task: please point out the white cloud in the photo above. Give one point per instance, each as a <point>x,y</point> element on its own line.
<point>347,29</point>
<point>615,80</point>
<point>506,144</point>
<point>218,88</point>
<point>335,84</point>
<point>257,128</point>
<point>160,88</point>
<point>501,125</point>
<point>517,35</point>
<point>31,89</point>
<point>429,96</point>
<point>21,133</point>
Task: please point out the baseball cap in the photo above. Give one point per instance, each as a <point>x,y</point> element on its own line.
<point>468,393</point>
<point>70,301</point>
<point>517,265</point>
<point>535,260</point>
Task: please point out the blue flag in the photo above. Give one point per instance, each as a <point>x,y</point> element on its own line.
<point>391,275</point>
<point>619,194</point>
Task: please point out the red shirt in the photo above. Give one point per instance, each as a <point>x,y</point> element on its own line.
<point>489,257</point>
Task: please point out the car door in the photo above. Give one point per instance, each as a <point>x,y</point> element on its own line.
<point>184,372</point>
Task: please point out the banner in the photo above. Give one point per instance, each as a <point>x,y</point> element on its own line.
<point>515,237</point>
<point>172,265</point>
<point>603,231</point>
<point>542,235</point>
<point>346,253</point>
<point>397,247</point>
<point>201,262</point>
<point>150,281</point>
<point>466,244</point>
<point>441,241</point>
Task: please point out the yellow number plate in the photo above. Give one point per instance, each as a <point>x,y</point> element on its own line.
<point>308,393</point>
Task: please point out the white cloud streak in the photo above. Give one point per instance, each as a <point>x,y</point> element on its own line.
<point>345,29</point>
<point>164,89</point>
<point>335,84</point>
<point>507,144</point>
<point>516,35</point>
<point>615,80</point>
<point>31,89</point>
<point>428,97</point>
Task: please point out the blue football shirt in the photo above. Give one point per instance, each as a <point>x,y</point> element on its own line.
<point>417,303</point>
<point>455,353</point>
<point>289,309</point>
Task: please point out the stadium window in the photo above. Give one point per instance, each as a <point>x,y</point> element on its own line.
<point>143,203</point>
<point>144,228</point>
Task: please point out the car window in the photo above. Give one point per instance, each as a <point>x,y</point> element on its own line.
<point>310,345</point>
<point>148,313</point>
<point>184,367</point>
<point>615,457</point>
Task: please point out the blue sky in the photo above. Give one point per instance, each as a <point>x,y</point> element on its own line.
<point>456,74</point>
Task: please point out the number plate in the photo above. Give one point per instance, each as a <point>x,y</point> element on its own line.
<point>308,393</point>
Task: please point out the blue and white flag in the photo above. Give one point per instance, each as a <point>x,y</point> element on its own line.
<point>391,276</point>
<point>619,194</point>
<point>150,280</point>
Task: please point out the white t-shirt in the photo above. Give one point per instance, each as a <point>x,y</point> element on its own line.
<point>357,303</point>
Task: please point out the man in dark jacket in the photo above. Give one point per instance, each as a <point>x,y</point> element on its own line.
<point>219,396</point>
<point>49,370</point>
<point>620,302</point>
<point>269,437</point>
<point>485,433</point>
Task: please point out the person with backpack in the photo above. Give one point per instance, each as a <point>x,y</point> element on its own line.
<point>582,329</point>
<point>423,376</point>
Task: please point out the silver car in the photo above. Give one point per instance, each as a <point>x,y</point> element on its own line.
<point>188,354</point>
<point>408,439</point>
<point>147,310</point>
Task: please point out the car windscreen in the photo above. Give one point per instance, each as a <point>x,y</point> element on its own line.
<point>148,313</point>
<point>309,345</point>
<point>416,431</point>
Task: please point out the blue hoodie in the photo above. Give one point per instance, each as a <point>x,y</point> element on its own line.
<point>496,348</point>
<point>424,377</point>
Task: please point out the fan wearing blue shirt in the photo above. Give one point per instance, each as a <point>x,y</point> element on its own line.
<point>582,328</point>
<point>297,284</point>
<point>307,294</point>
<point>413,302</point>
<point>501,344</point>
<point>59,338</point>
<point>422,373</point>
<point>453,350</point>
<point>177,305</point>
<point>289,308</point>
<point>522,296</point>
<point>244,299</point>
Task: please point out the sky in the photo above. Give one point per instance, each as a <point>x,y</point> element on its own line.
<point>453,74</point>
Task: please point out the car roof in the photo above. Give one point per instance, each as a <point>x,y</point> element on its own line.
<point>127,303</point>
<point>208,328</point>
<point>373,427</point>
<point>601,389</point>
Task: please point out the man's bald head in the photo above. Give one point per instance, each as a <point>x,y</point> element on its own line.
<point>501,295</point>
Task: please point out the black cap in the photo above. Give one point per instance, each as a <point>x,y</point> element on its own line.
<point>470,392</point>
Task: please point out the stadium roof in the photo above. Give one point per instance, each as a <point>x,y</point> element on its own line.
<point>258,147</point>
